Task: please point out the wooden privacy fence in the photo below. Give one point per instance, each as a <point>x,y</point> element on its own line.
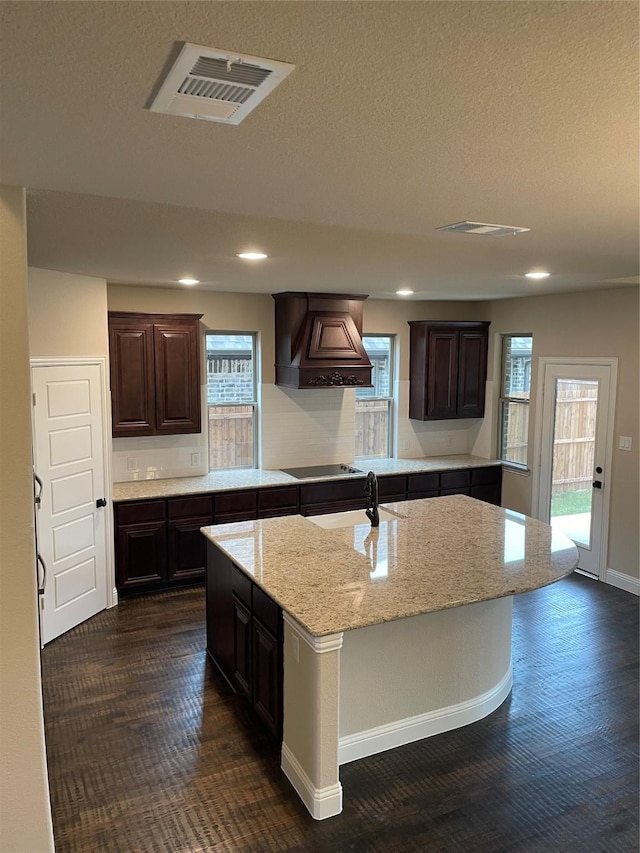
<point>230,436</point>
<point>574,435</point>
<point>372,427</point>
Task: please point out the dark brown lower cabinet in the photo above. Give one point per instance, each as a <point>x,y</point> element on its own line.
<point>159,544</point>
<point>244,637</point>
<point>141,544</point>
<point>187,552</point>
<point>331,496</point>
<point>242,651</point>
<point>392,488</point>
<point>278,500</point>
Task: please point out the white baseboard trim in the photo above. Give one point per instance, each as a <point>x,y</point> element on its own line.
<point>400,732</point>
<point>623,581</point>
<point>321,802</point>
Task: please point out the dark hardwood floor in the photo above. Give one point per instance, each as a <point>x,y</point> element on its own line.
<point>149,751</point>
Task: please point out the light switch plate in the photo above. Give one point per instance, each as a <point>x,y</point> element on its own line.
<point>624,442</point>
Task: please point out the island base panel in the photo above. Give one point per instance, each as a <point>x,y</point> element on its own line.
<point>413,678</point>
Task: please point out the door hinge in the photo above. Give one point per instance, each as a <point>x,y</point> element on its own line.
<point>33,397</point>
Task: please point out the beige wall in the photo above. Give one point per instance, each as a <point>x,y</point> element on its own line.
<point>25,814</point>
<point>599,323</point>
<point>67,314</point>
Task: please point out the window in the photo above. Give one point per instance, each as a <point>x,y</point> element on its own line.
<point>514,399</point>
<point>374,405</point>
<point>232,400</point>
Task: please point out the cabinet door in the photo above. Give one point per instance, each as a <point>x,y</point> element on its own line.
<point>472,374</point>
<point>274,501</point>
<point>486,484</point>
<point>242,677</point>
<point>187,552</point>
<point>392,488</point>
<point>442,373</point>
<point>132,377</point>
<point>331,496</point>
<point>266,692</point>
<point>141,554</point>
<point>237,505</point>
<point>220,610</point>
<point>177,377</point>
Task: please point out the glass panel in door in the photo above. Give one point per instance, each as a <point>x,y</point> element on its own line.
<point>574,442</point>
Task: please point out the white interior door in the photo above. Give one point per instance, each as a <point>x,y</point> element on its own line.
<point>575,460</point>
<point>69,459</point>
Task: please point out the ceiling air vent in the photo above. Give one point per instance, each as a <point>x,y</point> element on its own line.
<point>482,228</point>
<point>217,85</point>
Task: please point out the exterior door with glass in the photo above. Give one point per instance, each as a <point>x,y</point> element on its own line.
<point>575,457</point>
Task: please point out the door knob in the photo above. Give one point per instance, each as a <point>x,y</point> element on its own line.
<point>597,484</point>
<point>101,502</point>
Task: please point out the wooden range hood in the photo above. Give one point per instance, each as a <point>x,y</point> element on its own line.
<point>319,341</point>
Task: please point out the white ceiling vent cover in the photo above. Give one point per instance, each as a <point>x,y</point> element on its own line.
<point>467,227</point>
<point>217,85</point>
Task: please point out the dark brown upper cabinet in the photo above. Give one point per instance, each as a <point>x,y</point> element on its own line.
<point>155,373</point>
<point>447,370</point>
<point>319,341</point>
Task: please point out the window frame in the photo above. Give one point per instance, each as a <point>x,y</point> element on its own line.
<point>253,402</point>
<point>505,400</point>
<point>390,398</point>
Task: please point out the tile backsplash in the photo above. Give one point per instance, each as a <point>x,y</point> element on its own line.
<point>159,457</point>
<point>311,427</point>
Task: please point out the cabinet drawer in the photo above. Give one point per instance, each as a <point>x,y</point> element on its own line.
<point>138,512</point>
<point>241,586</point>
<point>455,479</point>
<point>457,490</point>
<point>419,483</point>
<point>336,490</point>
<point>488,492</point>
<point>486,476</point>
<point>277,501</point>
<point>266,610</point>
<point>201,506</point>
<point>392,488</point>
<point>235,505</point>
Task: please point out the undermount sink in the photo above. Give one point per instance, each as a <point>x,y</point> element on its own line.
<point>352,518</point>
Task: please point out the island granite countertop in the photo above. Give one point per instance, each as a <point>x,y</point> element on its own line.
<point>437,554</point>
<point>248,478</point>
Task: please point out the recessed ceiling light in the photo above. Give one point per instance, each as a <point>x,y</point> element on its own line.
<point>537,274</point>
<point>404,292</point>
<point>189,280</point>
<point>252,256</point>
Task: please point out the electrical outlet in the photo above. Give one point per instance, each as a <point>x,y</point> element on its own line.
<point>195,459</point>
<point>132,463</point>
<point>624,442</point>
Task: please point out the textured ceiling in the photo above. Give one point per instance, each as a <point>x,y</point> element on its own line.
<point>398,118</point>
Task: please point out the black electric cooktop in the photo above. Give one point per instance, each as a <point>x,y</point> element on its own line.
<point>337,470</point>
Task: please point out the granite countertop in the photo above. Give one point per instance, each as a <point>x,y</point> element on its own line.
<point>248,478</point>
<point>437,554</point>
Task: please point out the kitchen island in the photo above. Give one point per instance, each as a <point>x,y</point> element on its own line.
<point>390,634</point>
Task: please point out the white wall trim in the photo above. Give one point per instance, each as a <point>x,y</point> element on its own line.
<point>101,362</point>
<point>623,581</point>
<point>400,732</point>
<point>320,802</point>
<point>320,645</point>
